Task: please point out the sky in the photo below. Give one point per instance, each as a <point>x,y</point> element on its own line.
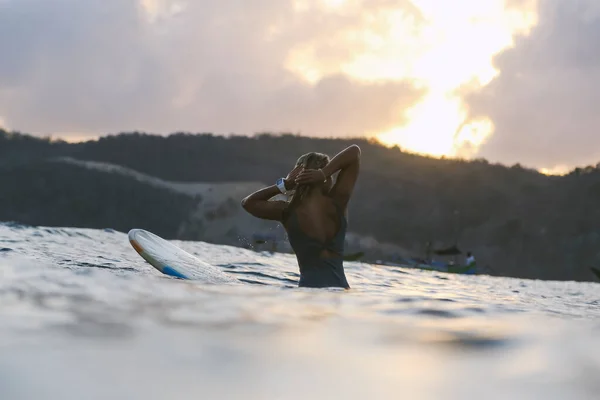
<point>512,81</point>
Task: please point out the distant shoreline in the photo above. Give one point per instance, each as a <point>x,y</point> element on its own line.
<point>183,186</point>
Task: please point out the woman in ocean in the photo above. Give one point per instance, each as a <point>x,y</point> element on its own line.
<point>315,217</point>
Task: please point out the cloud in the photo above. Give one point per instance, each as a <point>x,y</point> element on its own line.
<point>93,66</point>
<point>544,103</point>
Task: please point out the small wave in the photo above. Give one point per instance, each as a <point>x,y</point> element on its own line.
<point>469,341</point>
<point>477,310</point>
<point>252,282</point>
<point>405,299</point>
<point>399,271</point>
<point>262,275</point>
<point>432,312</point>
<point>15,225</point>
<point>87,265</point>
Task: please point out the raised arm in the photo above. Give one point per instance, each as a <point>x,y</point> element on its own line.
<point>259,205</point>
<point>348,163</point>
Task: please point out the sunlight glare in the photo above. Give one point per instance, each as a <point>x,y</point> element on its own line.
<point>471,136</point>
<point>160,8</point>
<point>334,3</point>
<point>441,48</point>
<point>460,41</point>
<point>557,170</point>
<point>426,132</point>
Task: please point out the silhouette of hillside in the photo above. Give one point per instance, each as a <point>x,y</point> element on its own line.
<point>519,222</point>
<point>53,194</point>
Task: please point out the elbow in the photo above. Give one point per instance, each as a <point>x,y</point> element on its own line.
<point>245,204</point>
<point>356,151</point>
<point>249,205</point>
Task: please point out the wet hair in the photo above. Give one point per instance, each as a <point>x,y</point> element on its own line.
<point>310,160</point>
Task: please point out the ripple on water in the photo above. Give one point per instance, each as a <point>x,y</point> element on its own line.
<point>85,309</point>
<point>432,312</point>
<point>459,341</point>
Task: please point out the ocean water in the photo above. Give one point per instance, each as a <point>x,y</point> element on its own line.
<point>83,316</point>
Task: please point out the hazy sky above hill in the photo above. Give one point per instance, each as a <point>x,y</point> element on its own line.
<point>508,80</point>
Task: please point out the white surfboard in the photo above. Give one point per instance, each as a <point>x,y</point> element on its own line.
<point>173,261</point>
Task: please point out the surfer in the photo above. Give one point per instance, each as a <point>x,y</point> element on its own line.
<point>470,260</point>
<point>315,216</point>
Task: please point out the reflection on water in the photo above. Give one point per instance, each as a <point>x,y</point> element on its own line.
<point>84,317</point>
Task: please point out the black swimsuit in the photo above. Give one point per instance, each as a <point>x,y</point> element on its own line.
<point>315,270</point>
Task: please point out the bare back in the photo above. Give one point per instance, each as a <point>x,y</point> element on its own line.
<point>316,231</point>
<point>319,218</point>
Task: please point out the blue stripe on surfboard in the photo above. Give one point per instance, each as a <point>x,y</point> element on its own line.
<point>170,271</point>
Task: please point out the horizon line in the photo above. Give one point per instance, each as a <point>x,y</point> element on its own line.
<point>557,171</point>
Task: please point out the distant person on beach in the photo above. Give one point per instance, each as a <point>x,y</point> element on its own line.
<point>315,217</point>
<point>470,259</point>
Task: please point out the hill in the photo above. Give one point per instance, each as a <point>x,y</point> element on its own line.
<point>519,222</point>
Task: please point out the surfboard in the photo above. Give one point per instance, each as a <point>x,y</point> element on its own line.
<point>173,261</point>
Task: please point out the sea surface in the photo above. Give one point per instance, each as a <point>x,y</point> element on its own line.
<point>83,316</point>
